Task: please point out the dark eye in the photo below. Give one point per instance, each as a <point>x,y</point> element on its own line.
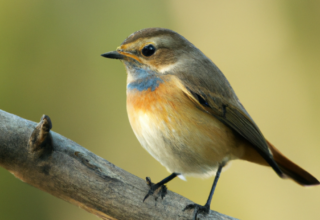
<point>148,50</point>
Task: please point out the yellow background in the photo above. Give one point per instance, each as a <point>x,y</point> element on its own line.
<point>269,50</point>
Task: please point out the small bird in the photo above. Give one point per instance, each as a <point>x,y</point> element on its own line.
<point>186,115</point>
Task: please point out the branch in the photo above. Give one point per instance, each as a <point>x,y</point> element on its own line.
<point>61,167</point>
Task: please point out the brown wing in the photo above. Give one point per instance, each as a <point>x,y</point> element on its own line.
<point>235,116</point>
<point>203,82</point>
<point>231,112</point>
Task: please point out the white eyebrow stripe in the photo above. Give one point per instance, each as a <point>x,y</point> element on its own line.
<point>167,68</point>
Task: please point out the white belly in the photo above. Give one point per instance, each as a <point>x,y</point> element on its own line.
<point>193,146</point>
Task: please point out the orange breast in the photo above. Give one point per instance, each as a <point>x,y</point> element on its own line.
<point>157,101</point>
<point>172,129</point>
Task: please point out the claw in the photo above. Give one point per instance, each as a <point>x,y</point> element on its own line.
<point>151,190</point>
<point>149,181</point>
<point>163,191</point>
<point>198,209</point>
<point>153,187</point>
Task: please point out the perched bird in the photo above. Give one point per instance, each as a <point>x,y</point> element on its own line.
<point>186,115</point>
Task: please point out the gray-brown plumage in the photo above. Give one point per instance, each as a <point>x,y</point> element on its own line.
<point>185,113</point>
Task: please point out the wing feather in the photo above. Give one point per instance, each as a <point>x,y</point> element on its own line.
<point>230,111</point>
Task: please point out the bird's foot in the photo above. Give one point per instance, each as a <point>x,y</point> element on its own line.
<point>162,189</point>
<point>198,209</point>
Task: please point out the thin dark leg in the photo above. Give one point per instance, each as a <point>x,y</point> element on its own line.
<point>206,208</point>
<point>167,179</point>
<point>214,186</point>
<point>154,187</point>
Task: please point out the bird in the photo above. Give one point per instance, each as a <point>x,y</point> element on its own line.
<point>185,113</point>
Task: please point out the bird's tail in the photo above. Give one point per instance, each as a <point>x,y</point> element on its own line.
<point>291,170</point>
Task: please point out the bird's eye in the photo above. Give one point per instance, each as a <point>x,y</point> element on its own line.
<point>148,50</point>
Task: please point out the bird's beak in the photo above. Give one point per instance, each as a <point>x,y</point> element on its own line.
<point>113,55</point>
<point>120,55</point>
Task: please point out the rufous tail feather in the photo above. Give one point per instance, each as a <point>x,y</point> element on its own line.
<point>291,170</point>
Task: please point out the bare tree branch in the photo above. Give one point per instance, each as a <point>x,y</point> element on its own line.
<point>63,168</point>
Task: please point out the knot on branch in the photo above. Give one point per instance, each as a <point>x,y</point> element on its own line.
<point>40,141</point>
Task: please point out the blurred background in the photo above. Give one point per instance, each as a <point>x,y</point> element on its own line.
<point>50,64</point>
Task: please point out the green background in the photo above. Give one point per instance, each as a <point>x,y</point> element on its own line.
<point>50,64</point>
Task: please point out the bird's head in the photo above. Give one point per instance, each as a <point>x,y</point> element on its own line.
<point>153,51</point>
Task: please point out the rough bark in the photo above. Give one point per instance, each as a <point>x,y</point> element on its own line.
<point>61,167</point>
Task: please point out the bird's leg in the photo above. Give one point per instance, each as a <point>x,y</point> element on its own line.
<point>206,208</point>
<point>154,187</point>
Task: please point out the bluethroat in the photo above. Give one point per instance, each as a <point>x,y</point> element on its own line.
<point>186,115</point>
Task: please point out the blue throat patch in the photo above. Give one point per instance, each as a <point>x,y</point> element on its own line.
<point>145,78</point>
<point>145,83</point>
